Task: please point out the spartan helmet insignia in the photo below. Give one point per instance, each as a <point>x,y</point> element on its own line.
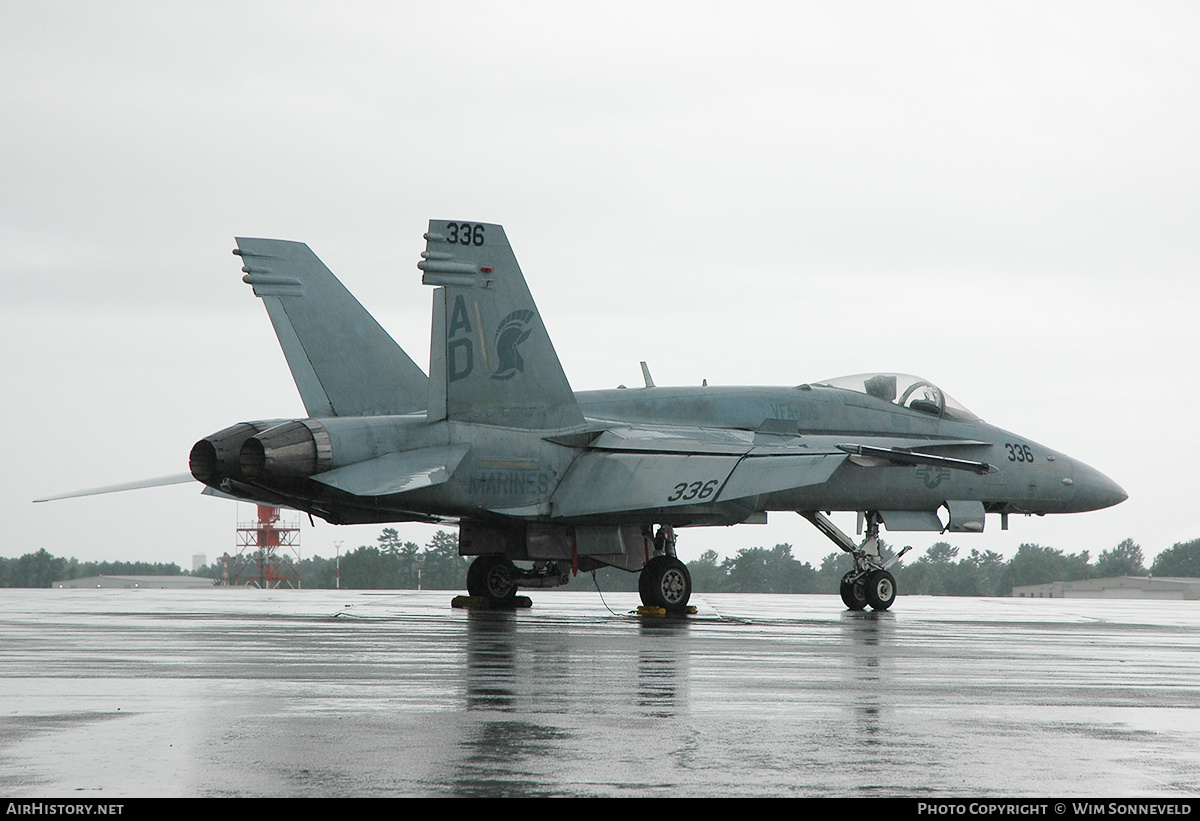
<point>513,330</point>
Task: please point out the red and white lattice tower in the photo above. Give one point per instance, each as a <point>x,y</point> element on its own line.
<point>268,551</point>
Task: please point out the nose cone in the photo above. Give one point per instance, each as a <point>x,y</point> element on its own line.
<point>1093,490</point>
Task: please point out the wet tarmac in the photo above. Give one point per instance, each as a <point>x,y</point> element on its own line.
<point>120,693</point>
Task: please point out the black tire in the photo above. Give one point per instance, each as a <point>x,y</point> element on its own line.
<point>854,593</point>
<point>492,578</point>
<point>643,582</point>
<point>665,582</point>
<point>881,590</point>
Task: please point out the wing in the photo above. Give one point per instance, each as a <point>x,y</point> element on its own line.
<point>662,468</point>
<point>659,469</point>
<point>664,481</point>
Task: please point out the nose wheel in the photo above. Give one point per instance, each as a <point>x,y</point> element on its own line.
<point>869,584</point>
<point>876,589</point>
<point>854,590</point>
<point>880,589</point>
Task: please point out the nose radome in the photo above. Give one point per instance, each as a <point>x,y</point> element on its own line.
<point>1094,490</point>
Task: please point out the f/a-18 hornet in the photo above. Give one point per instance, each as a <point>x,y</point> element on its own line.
<point>495,439</point>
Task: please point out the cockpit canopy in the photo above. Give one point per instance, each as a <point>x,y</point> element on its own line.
<point>905,390</point>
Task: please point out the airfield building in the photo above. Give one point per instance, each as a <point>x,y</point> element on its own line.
<point>143,582</point>
<point>1121,587</point>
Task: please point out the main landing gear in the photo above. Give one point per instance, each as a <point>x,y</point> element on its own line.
<point>869,583</point>
<point>494,578</point>
<point>664,581</point>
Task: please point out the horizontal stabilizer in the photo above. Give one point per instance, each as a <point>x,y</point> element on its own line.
<point>397,472</point>
<point>162,481</point>
<point>220,494</point>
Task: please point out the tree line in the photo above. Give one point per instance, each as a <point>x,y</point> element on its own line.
<point>393,564</point>
<point>42,569</point>
<point>390,564</point>
<point>940,571</point>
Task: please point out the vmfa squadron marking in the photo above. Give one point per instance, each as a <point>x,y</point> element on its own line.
<point>460,349</point>
<point>495,440</point>
<point>460,346</point>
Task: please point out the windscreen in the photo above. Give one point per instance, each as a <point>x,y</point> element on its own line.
<point>905,390</point>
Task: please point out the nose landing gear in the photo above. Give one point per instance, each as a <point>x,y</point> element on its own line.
<point>869,583</point>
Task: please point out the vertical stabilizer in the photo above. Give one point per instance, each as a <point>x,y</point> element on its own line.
<point>343,361</point>
<point>491,359</point>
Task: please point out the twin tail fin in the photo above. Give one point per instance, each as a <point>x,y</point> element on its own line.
<point>491,360</point>
<point>344,363</point>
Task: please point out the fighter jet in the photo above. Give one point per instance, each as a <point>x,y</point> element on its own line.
<point>544,482</point>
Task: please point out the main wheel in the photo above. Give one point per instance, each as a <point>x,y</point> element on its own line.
<point>493,578</point>
<point>854,593</point>
<point>665,582</point>
<point>881,590</point>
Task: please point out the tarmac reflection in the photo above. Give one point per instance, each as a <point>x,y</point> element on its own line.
<point>323,693</point>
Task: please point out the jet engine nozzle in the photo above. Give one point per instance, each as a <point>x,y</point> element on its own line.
<point>217,457</point>
<point>293,450</point>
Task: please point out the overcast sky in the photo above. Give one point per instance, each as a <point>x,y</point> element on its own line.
<point>1003,198</point>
